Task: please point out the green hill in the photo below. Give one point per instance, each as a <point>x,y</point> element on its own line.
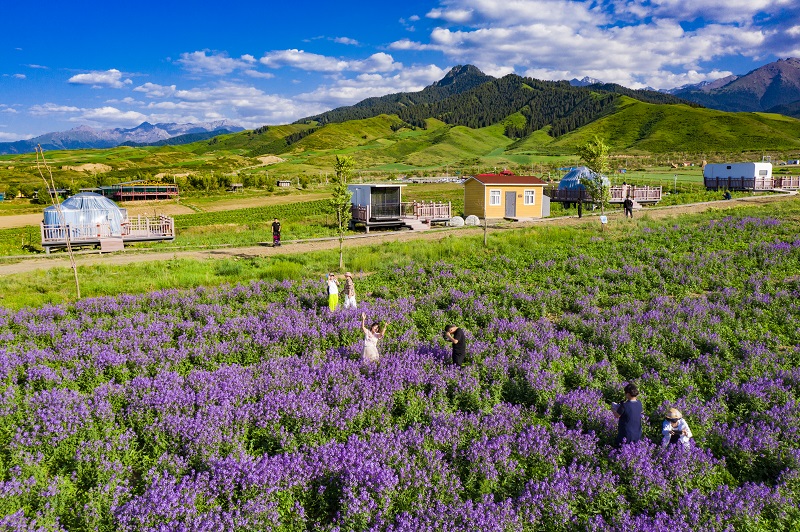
<point>636,126</point>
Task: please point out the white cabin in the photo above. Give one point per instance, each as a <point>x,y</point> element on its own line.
<point>738,176</point>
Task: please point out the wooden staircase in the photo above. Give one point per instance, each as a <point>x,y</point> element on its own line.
<point>416,224</point>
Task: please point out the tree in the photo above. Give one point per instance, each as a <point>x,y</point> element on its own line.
<point>341,198</point>
<point>595,154</point>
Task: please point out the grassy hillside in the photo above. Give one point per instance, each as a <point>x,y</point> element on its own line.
<point>644,127</point>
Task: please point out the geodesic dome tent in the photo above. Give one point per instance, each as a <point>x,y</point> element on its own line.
<point>572,180</point>
<point>86,210</point>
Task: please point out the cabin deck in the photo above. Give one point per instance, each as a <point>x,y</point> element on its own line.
<point>138,229</point>
<point>410,215</point>
<point>618,193</point>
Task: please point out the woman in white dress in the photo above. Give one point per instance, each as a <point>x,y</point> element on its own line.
<point>371,337</point>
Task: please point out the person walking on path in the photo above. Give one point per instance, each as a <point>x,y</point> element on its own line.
<point>675,429</point>
<point>333,292</point>
<point>455,335</point>
<point>629,414</point>
<point>371,337</point>
<point>276,233</point>
<point>349,291</point>
<point>627,205</point>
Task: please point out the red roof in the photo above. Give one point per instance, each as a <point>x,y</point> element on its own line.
<point>507,178</point>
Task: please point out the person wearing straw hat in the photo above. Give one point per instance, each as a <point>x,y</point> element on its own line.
<point>349,291</point>
<point>675,429</point>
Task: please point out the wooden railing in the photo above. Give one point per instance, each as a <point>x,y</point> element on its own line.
<point>618,193</point>
<point>739,183</point>
<point>162,226</point>
<point>789,182</point>
<point>137,228</point>
<point>430,210</point>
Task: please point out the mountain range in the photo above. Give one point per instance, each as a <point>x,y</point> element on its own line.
<point>85,137</point>
<point>772,88</point>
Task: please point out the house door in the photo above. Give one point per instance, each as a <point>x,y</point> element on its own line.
<point>511,204</point>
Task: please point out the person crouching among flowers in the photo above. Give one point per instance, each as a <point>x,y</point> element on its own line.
<point>675,429</point>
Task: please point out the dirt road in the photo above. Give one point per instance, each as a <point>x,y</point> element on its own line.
<point>61,260</point>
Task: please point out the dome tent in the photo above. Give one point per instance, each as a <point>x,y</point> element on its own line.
<point>85,210</point>
<point>572,180</point>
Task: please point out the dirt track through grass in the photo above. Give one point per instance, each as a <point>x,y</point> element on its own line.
<point>289,248</point>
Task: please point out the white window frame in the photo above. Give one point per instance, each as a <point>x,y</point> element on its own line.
<point>495,197</point>
<point>532,192</point>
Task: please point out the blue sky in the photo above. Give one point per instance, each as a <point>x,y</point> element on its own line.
<point>113,64</point>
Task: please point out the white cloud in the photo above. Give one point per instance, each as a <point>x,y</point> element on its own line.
<point>127,100</point>
<point>110,115</point>
<point>52,108</point>
<point>350,91</point>
<point>101,78</point>
<point>379,62</point>
<point>346,40</point>
<point>39,67</point>
<point>632,43</point>
<point>7,109</point>
<point>13,137</point>
<point>20,76</point>
<point>154,90</point>
<point>215,64</point>
<point>258,74</point>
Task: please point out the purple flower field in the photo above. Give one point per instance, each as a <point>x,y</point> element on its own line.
<point>248,407</point>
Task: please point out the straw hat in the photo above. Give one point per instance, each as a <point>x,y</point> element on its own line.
<point>673,414</point>
<point>348,274</point>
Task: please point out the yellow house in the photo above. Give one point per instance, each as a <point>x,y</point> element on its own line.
<point>505,195</point>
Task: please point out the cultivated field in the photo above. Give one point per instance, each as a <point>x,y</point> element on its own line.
<point>247,407</point>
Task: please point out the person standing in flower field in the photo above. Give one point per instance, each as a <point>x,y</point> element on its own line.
<point>455,335</point>
<point>276,233</point>
<point>675,429</point>
<point>628,206</point>
<point>349,291</point>
<point>371,337</point>
<point>629,414</point>
<point>333,292</point>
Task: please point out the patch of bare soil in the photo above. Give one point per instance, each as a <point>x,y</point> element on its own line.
<point>94,168</point>
<point>270,159</point>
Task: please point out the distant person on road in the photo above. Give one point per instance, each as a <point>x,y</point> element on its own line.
<point>455,335</point>
<point>371,337</point>
<point>628,206</point>
<point>675,430</point>
<point>333,292</point>
<point>276,233</point>
<point>349,291</point>
<point>629,414</point>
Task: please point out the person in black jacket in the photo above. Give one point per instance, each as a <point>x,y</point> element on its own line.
<point>276,233</point>
<point>455,335</point>
<point>628,206</point>
<point>629,416</point>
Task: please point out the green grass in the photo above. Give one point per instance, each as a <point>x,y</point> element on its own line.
<point>57,285</point>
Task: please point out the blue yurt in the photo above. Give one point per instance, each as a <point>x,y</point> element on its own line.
<point>86,209</point>
<point>572,180</point>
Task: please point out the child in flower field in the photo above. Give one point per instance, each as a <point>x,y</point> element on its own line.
<point>455,335</point>
<point>629,414</point>
<point>371,337</point>
<point>675,429</point>
<point>333,292</point>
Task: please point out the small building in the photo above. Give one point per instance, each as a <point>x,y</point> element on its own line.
<point>571,189</point>
<point>381,205</point>
<point>738,176</point>
<point>140,191</point>
<point>236,187</point>
<point>89,219</point>
<point>505,195</point>
<point>283,183</point>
